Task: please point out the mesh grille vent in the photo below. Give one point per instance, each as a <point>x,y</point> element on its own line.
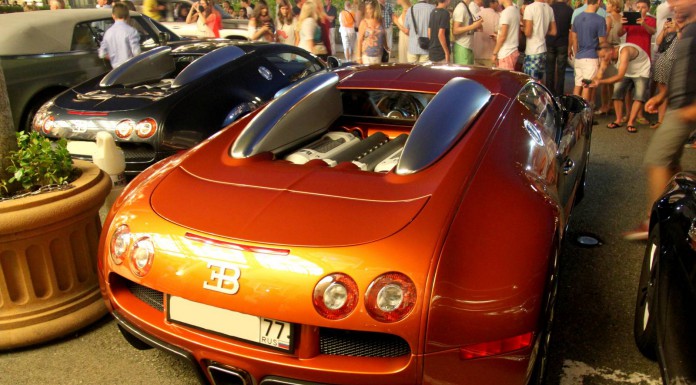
<point>361,344</point>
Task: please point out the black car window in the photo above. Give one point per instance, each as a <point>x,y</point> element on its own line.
<point>88,35</point>
<point>148,38</point>
<point>293,65</point>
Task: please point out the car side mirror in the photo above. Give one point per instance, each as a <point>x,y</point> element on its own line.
<point>333,62</point>
<point>163,38</point>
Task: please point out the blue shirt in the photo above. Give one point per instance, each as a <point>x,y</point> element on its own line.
<point>121,42</point>
<point>387,12</point>
<point>421,11</point>
<point>601,12</point>
<point>589,27</point>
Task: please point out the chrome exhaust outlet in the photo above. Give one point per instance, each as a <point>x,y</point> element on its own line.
<point>225,375</point>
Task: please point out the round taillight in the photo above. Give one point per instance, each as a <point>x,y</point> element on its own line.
<point>120,242</point>
<point>146,128</point>
<point>390,297</point>
<point>124,128</point>
<point>49,124</point>
<point>141,256</point>
<point>335,296</point>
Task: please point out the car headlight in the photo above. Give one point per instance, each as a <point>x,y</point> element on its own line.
<point>335,296</point>
<point>142,256</point>
<point>49,124</point>
<point>390,297</point>
<point>120,243</point>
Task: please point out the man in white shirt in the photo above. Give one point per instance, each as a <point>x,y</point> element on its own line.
<point>420,12</point>
<point>538,22</point>
<point>475,8</point>
<point>505,52</point>
<point>463,29</point>
<point>121,41</point>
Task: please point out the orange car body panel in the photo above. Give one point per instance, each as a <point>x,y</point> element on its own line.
<point>477,232</point>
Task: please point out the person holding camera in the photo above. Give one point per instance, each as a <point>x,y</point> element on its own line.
<point>261,25</point>
<point>206,18</point>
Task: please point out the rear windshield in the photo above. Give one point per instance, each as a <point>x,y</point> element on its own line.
<point>385,104</point>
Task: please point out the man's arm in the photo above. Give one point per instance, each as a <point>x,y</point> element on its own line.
<point>688,113</point>
<point>134,42</point>
<point>552,29</point>
<point>624,59</point>
<point>500,40</point>
<point>443,42</point>
<point>528,28</point>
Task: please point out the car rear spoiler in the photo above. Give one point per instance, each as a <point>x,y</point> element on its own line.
<point>304,111</point>
<point>442,123</point>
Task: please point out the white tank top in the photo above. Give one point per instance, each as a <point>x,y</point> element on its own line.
<point>638,67</point>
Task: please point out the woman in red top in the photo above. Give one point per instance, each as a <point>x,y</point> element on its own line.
<point>206,17</point>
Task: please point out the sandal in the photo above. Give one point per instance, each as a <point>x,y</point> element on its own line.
<point>655,125</point>
<point>631,129</point>
<point>642,121</point>
<point>614,125</point>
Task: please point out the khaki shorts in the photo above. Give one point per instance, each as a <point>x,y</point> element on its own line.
<point>585,69</point>
<point>667,143</point>
<point>417,58</point>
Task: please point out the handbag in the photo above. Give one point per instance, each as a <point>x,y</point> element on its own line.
<point>423,41</point>
<point>320,49</point>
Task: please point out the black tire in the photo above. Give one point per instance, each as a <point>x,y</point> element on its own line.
<point>538,376</point>
<point>26,124</point>
<point>644,324</point>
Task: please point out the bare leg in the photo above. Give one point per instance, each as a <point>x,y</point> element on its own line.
<point>618,110</point>
<point>658,177</point>
<point>635,109</point>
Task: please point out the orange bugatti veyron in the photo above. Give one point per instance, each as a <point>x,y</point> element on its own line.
<point>393,224</point>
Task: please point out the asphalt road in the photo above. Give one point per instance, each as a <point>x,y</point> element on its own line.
<point>592,337</point>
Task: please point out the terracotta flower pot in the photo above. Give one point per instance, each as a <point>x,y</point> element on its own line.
<point>48,250</point>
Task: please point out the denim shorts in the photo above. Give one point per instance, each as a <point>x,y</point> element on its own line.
<point>640,88</point>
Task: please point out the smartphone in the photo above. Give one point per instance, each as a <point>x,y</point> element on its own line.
<point>586,81</point>
<point>632,17</point>
<point>669,19</point>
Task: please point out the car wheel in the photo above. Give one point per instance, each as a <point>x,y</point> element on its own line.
<point>644,324</point>
<point>28,118</point>
<point>538,376</point>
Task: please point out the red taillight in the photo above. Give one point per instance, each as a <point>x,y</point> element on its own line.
<point>236,246</point>
<point>146,128</point>
<point>390,297</point>
<point>494,348</point>
<point>87,113</point>
<point>335,296</point>
<point>125,128</point>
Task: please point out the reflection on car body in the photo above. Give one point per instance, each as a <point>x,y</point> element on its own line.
<point>277,252</point>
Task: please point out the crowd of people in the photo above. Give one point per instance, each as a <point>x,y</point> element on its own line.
<point>609,45</point>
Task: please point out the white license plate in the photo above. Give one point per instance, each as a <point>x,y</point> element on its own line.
<point>259,330</point>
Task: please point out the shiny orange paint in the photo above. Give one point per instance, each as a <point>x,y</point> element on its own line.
<point>478,233</point>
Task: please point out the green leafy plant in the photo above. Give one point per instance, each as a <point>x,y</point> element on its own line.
<point>38,162</point>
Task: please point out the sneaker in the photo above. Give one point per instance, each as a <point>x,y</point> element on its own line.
<point>640,233</point>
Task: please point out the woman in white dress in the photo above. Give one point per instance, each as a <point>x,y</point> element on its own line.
<point>308,26</point>
<point>403,36</point>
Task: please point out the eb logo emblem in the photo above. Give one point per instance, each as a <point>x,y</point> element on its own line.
<point>224,278</point>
